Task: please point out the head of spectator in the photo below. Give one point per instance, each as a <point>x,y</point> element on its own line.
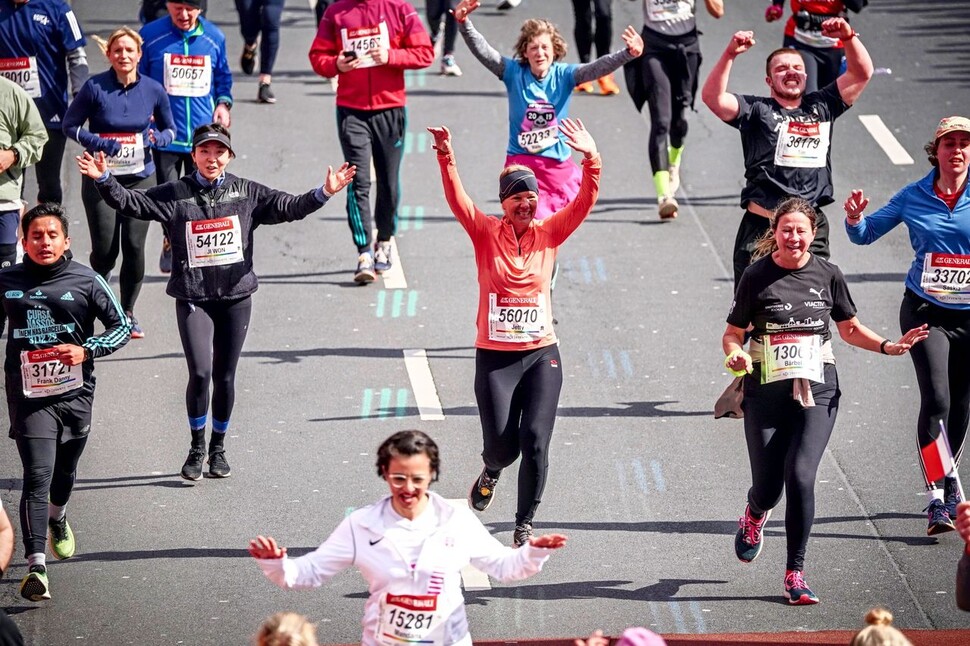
<point>45,231</point>
<point>540,45</point>
<point>786,77</point>
<point>211,150</point>
<point>879,631</point>
<point>951,141</point>
<point>287,629</point>
<point>184,13</point>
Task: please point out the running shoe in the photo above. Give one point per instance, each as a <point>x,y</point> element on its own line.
<point>248,59</point>
<point>951,497</point>
<point>61,538</point>
<point>483,490</point>
<point>505,5</point>
<point>939,521</point>
<point>797,591</point>
<point>750,540</point>
<point>165,260</point>
<point>449,67</point>
<point>674,170</point>
<point>521,534</point>
<point>667,206</point>
<point>192,469</point>
<point>608,85</point>
<point>218,465</point>
<point>586,87</point>
<point>382,257</point>
<point>365,269</point>
<point>265,94</point>
<point>34,586</point>
<point>136,331</point>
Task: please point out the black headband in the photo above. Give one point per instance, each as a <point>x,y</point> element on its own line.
<point>516,182</point>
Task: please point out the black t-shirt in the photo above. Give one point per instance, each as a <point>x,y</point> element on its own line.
<point>788,152</point>
<point>775,299</point>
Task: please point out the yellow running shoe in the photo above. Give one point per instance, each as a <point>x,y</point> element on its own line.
<point>61,538</point>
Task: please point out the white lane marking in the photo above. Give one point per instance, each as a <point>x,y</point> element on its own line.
<point>394,277</point>
<point>471,577</point>
<point>884,137</point>
<point>422,384</point>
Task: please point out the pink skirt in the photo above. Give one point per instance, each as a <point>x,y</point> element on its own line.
<point>558,181</point>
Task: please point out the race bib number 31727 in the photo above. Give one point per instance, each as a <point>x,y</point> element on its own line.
<point>44,375</point>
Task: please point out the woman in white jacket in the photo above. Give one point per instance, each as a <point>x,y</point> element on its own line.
<point>411,547</point>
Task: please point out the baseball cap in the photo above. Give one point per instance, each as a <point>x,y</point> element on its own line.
<point>952,124</point>
<point>204,134</point>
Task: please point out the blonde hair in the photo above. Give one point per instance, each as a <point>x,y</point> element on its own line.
<point>879,632</point>
<point>105,45</point>
<point>534,27</point>
<point>287,629</point>
<point>514,167</point>
<point>766,244</point>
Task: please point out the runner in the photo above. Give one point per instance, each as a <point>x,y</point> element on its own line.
<point>792,391</point>
<point>585,34</point>
<point>410,547</point>
<point>119,106</point>
<point>438,11</point>
<point>824,57</point>
<point>540,89</point>
<point>260,17</point>
<point>22,137</point>
<point>41,45</point>
<point>210,217</point>
<point>517,365</point>
<point>186,54</point>
<point>793,158</point>
<point>937,295</point>
<point>370,44</point>
<point>665,78</point>
<point>51,304</point>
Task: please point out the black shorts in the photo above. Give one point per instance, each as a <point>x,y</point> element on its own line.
<point>63,419</point>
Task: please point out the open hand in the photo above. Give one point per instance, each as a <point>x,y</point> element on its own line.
<point>548,541</point>
<point>442,139</point>
<point>265,547</point>
<point>634,43</point>
<point>92,166</point>
<point>577,137</point>
<point>464,8</point>
<point>855,204</point>
<point>908,340</point>
<point>338,179</point>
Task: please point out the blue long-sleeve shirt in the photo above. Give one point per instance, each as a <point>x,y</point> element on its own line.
<point>109,107</point>
<point>933,229</point>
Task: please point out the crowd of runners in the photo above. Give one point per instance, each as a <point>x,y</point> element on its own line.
<point>155,129</point>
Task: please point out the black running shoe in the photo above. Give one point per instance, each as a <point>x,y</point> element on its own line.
<point>218,466</point>
<point>265,94</point>
<point>521,534</point>
<point>248,59</point>
<point>483,490</point>
<point>939,521</point>
<point>951,497</point>
<point>797,591</point>
<point>750,540</point>
<point>192,469</point>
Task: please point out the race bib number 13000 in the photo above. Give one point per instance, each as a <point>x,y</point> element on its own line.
<point>792,356</point>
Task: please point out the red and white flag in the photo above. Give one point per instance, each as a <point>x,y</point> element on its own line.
<point>937,458</point>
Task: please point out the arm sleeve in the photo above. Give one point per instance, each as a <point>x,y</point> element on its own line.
<point>502,562</point>
<point>77,114</point>
<point>963,582</point>
<point>843,307</point>
<point>31,132</point>
<point>740,314</point>
<point>276,207</point>
<point>316,568</point>
<point>602,66</point>
<point>117,328</point>
<point>77,65</point>
<point>872,227</point>
<point>745,108</point>
<point>480,49</point>
<point>562,224</point>
<point>833,100</point>
<point>136,204</point>
<point>461,205</point>
<point>415,50</point>
<point>325,49</point>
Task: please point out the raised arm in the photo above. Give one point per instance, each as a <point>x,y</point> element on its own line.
<point>133,204</point>
<point>715,7</point>
<point>459,202</point>
<point>858,64</point>
<point>606,64</point>
<point>275,207</point>
<point>562,223</point>
<point>485,53</point>
<point>714,94</point>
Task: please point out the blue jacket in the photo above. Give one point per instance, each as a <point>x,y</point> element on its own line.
<point>108,107</point>
<point>933,228</point>
<point>163,37</point>
<point>46,30</point>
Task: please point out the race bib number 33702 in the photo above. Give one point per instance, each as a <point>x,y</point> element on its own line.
<point>946,277</point>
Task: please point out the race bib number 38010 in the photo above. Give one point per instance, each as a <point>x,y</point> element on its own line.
<point>44,375</point>
<point>212,243</point>
<point>410,619</point>
<point>23,72</point>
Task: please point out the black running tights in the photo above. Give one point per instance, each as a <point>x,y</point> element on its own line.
<point>668,113</point>
<point>518,394</point>
<point>213,333</point>
<point>785,446</point>
<point>586,35</point>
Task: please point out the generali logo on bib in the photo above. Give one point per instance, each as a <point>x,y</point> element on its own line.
<point>190,61</point>
<point>414,602</point>
<point>211,225</point>
<point>803,129</point>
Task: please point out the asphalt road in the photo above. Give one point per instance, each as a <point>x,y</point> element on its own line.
<point>645,482</point>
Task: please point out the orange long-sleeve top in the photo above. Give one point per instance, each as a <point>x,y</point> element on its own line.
<point>514,306</point>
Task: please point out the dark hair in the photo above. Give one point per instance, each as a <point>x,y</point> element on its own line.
<point>47,210</point>
<point>766,243</point>
<point>408,443</point>
<point>779,52</point>
<point>931,149</point>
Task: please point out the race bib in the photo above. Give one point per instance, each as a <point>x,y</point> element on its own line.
<point>364,39</point>
<point>946,277</point>
<point>212,243</point>
<point>815,38</point>
<point>131,158</point>
<point>664,10</point>
<point>792,356</point>
<point>517,319</point>
<point>188,75</point>
<point>803,145</point>
<point>23,72</point>
<point>44,375</point>
<point>410,619</point>
<point>539,129</point>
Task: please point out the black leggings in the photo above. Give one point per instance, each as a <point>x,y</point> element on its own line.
<point>785,446</point>
<point>436,9</point>
<point>584,11</point>
<point>48,169</point>
<point>213,333</point>
<point>264,16</point>
<point>823,65</point>
<point>518,394</point>
<point>942,372</point>
<point>112,233</point>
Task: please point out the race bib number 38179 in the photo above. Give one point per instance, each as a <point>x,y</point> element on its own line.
<point>803,145</point>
